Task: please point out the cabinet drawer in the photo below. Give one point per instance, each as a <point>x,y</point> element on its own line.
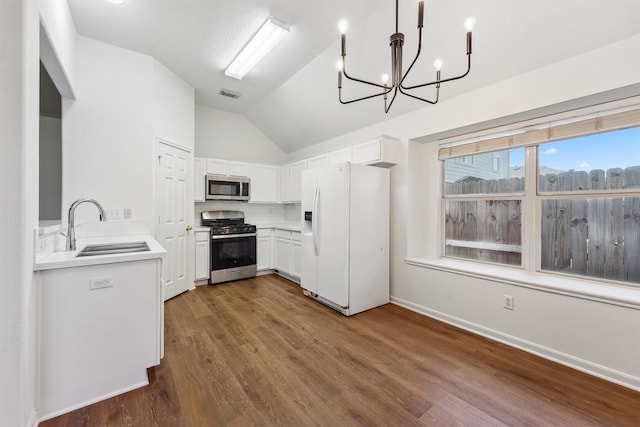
<point>296,236</point>
<point>283,234</point>
<point>264,232</point>
<point>202,236</point>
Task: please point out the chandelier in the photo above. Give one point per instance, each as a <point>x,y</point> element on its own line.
<point>397,77</point>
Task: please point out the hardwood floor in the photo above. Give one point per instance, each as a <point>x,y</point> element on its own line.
<point>257,352</point>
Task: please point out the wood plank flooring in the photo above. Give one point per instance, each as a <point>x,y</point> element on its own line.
<point>257,352</point>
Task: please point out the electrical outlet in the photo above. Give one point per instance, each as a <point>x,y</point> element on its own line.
<point>508,302</point>
<point>113,213</point>
<point>100,282</point>
<point>127,213</point>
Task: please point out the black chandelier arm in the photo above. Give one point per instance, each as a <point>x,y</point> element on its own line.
<point>344,71</point>
<point>387,90</point>
<point>388,107</point>
<point>414,59</point>
<point>421,99</point>
<point>443,80</point>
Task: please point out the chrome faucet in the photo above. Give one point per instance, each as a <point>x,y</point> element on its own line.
<point>71,231</point>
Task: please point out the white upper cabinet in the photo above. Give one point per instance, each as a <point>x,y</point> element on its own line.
<point>340,156</point>
<point>227,167</point>
<point>238,169</point>
<point>199,172</point>
<point>318,162</point>
<point>217,166</point>
<point>264,183</point>
<point>383,151</point>
<point>273,184</point>
<point>295,180</point>
<point>284,195</point>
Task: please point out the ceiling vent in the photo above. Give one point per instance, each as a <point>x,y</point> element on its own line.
<point>229,94</point>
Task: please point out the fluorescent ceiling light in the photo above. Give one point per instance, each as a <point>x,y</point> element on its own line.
<point>271,33</point>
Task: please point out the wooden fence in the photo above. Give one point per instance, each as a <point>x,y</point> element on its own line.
<point>597,237</point>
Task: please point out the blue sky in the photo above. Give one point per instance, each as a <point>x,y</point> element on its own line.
<point>618,149</point>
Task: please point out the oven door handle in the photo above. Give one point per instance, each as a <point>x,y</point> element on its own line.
<point>230,236</point>
<point>315,220</point>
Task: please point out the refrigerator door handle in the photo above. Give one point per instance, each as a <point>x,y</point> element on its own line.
<point>314,220</point>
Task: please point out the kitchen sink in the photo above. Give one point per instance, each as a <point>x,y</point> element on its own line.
<point>114,248</point>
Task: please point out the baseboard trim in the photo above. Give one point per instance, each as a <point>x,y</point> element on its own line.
<point>583,365</point>
<point>93,400</point>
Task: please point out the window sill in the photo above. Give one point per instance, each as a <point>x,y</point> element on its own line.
<point>626,296</point>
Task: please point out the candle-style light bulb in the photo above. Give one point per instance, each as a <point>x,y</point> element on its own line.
<point>469,23</point>
<point>437,64</point>
<point>343,25</point>
<point>339,64</point>
<point>385,79</point>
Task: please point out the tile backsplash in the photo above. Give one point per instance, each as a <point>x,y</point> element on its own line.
<point>268,213</point>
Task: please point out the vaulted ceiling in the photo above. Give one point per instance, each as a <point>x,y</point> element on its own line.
<point>291,95</point>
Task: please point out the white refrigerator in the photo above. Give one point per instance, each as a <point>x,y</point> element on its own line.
<point>345,238</point>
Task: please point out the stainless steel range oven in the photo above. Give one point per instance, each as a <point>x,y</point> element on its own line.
<point>233,246</point>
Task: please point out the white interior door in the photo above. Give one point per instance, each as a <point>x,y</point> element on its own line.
<point>175,214</point>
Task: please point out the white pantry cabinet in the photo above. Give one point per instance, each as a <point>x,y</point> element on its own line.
<point>203,241</point>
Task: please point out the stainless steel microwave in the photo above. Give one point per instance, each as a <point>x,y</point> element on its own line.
<point>227,187</point>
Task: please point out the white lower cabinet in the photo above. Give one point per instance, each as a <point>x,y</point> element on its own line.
<point>282,254</point>
<point>202,239</point>
<point>287,248</point>
<point>296,252</point>
<point>263,249</point>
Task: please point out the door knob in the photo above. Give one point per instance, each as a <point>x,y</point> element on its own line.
<point>189,228</point>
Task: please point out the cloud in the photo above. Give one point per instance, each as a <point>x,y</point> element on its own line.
<point>550,151</point>
<point>584,165</point>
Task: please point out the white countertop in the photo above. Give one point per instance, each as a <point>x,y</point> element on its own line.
<point>67,259</point>
<point>290,226</point>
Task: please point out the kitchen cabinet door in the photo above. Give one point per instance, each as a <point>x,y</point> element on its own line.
<point>238,169</point>
<point>263,249</point>
<point>202,255</point>
<point>199,172</point>
<point>264,183</point>
<point>282,255</point>
<point>296,259</point>
<point>284,194</point>
<point>340,156</point>
<point>295,180</point>
<point>382,151</point>
<point>217,166</point>
<point>318,162</point>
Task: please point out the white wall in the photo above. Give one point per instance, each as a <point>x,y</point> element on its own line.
<point>223,135</point>
<point>124,101</point>
<point>174,107</point>
<point>107,131</point>
<point>594,336</point>
<point>19,116</point>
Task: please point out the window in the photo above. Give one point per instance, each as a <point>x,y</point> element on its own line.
<point>578,192</point>
<point>483,209</point>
